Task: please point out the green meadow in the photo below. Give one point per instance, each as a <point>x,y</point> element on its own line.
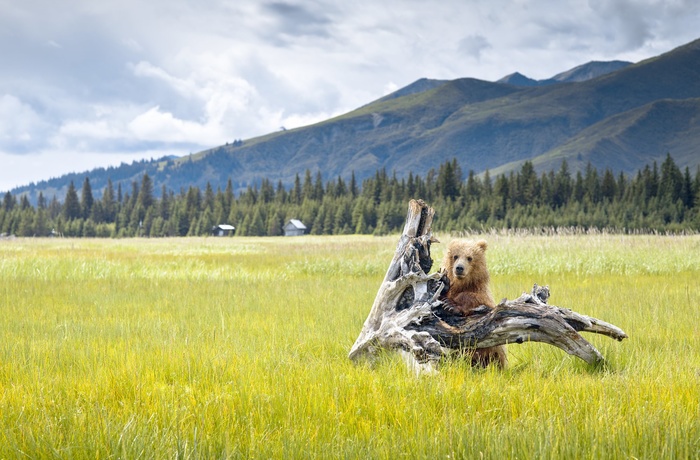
<point>237,348</point>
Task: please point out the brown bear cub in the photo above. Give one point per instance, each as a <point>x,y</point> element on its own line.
<point>465,267</point>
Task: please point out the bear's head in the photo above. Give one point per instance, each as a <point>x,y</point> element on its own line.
<point>465,264</point>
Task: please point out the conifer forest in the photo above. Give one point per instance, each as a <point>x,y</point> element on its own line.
<point>656,199</point>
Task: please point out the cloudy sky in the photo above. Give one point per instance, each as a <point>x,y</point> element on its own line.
<point>86,83</point>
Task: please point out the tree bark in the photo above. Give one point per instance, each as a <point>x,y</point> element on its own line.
<point>408,314</point>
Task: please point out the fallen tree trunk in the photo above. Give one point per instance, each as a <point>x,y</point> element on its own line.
<point>408,315</point>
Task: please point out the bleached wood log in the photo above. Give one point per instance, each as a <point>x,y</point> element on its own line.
<point>408,314</point>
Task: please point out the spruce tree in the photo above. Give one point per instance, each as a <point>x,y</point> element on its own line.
<point>40,223</point>
<point>164,204</point>
<point>307,190</point>
<point>256,226</point>
<point>318,186</point>
<point>24,203</point>
<point>145,198</point>
<point>86,199</point>
<point>562,186</point>
<point>41,201</point>
<point>527,185</point>
<point>340,188</point>
<point>696,191</point>
<point>229,196</point>
<point>274,224</point>
<point>591,184</point>
<point>193,202</point>
<point>608,188</point>
<point>671,181</point>
<point>281,195</point>
<point>578,191</point>
<point>208,197</point>
<point>353,185</point>
<point>55,208</point>
<point>8,202</point>
<point>473,187</point>
<point>687,196</point>
<point>71,206</point>
<point>109,205</point>
<point>267,191</point>
<point>296,191</point>
<point>26,222</point>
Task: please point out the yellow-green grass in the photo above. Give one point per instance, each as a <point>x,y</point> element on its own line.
<point>237,348</point>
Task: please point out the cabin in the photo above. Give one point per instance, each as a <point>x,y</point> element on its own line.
<point>294,228</point>
<point>222,230</point>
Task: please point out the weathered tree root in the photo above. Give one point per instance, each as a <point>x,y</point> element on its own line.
<point>408,314</point>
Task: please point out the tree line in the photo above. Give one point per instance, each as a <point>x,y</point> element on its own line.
<point>657,198</point>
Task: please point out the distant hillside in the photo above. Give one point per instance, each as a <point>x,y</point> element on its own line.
<point>589,71</point>
<point>518,79</point>
<point>623,142</point>
<point>622,119</point>
<point>419,86</point>
<point>580,73</point>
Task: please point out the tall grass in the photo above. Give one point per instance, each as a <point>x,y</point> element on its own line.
<point>237,348</point>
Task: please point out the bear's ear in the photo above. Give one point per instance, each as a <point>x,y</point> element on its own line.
<point>482,244</point>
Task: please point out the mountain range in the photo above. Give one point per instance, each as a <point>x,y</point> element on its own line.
<point>615,115</point>
<point>580,73</point>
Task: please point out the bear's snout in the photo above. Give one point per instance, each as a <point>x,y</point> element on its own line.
<point>459,269</point>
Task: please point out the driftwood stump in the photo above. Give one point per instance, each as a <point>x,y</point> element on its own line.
<point>408,315</point>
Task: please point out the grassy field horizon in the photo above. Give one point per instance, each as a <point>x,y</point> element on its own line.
<point>237,348</point>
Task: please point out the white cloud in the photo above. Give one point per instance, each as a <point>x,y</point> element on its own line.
<point>297,120</point>
<point>390,88</point>
<point>474,45</point>
<point>156,125</point>
<point>101,129</point>
<point>21,128</point>
<point>146,69</point>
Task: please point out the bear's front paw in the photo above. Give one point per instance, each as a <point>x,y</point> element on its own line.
<point>445,283</point>
<point>451,309</point>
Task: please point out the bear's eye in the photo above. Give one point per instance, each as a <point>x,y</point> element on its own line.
<point>469,259</point>
<point>455,257</point>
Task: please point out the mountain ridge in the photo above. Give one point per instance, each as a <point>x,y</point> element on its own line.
<point>583,72</point>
